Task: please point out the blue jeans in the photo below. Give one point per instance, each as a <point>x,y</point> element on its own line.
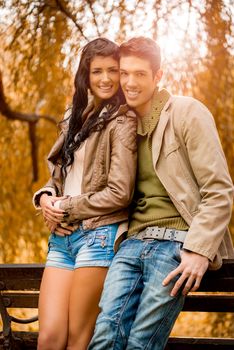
<point>137,312</point>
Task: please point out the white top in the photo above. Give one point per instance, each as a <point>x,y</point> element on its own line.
<point>72,185</point>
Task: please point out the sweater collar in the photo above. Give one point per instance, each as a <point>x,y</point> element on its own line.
<point>148,123</point>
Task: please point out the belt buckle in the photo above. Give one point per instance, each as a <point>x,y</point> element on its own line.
<point>161,230</point>
<point>173,235</point>
<point>147,234</point>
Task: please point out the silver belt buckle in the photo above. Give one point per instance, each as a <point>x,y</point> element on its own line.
<point>147,234</point>
<point>173,235</point>
<point>161,231</point>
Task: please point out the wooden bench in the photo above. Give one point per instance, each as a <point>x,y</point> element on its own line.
<point>19,286</point>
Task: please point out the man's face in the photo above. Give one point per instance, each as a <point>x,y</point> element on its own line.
<point>138,82</point>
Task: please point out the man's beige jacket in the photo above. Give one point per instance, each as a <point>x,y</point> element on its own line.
<point>191,165</point>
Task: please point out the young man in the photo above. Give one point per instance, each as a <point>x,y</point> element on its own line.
<point>181,208</point>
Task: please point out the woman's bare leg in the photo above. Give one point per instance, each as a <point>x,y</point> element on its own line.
<point>83,309</point>
<point>53,308</point>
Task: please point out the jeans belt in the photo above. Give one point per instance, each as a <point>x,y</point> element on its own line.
<point>162,233</point>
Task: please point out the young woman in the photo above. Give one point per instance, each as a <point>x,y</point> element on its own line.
<point>85,202</point>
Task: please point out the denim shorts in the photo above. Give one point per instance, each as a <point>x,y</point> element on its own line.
<point>82,248</point>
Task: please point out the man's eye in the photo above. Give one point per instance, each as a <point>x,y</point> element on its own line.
<point>123,73</point>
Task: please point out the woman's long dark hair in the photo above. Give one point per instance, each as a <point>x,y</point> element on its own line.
<point>76,133</point>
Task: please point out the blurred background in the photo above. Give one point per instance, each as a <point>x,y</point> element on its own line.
<point>39,54</point>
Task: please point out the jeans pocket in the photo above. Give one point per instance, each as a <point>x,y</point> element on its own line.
<point>126,241</point>
<point>178,247</point>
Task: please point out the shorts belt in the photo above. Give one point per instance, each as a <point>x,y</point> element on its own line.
<point>162,233</point>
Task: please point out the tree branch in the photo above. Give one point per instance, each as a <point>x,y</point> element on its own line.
<point>71,16</point>
<point>7,112</point>
<point>31,119</point>
<point>94,17</point>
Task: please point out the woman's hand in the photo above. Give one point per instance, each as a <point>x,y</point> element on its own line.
<point>63,231</point>
<point>58,229</point>
<point>51,226</point>
<point>51,214</point>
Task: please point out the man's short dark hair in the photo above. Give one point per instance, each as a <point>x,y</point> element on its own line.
<point>144,48</point>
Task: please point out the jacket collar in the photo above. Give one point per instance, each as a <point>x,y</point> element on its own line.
<point>123,110</point>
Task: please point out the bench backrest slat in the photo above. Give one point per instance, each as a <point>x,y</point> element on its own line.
<point>201,303</point>
<point>20,277</point>
<point>21,300</point>
<point>209,303</point>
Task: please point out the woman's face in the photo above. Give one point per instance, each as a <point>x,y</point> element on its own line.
<point>103,77</point>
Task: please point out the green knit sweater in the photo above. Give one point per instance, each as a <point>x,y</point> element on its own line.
<point>151,204</point>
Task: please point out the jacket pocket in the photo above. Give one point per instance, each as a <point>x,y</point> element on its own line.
<point>174,146</point>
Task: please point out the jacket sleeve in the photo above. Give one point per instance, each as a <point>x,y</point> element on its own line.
<point>49,188</point>
<point>210,169</point>
<point>118,192</point>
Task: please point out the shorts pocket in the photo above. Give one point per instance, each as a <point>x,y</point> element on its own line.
<point>102,239</point>
<point>50,242</point>
<point>98,237</point>
<point>103,236</point>
<point>90,238</point>
<point>48,247</point>
<point>55,241</point>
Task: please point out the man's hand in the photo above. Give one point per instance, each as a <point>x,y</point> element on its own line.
<point>192,268</point>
